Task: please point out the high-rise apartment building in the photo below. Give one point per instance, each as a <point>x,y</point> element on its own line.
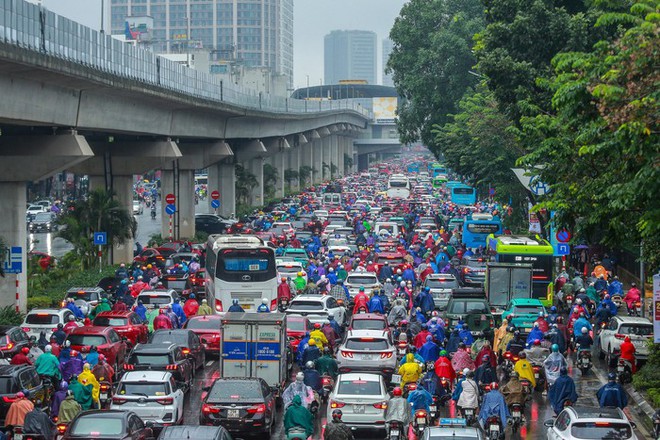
<point>254,33</point>
<point>387,51</point>
<point>350,55</point>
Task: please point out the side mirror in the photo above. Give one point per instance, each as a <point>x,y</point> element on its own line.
<point>633,424</point>
<point>549,423</point>
<point>149,424</point>
<point>206,389</point>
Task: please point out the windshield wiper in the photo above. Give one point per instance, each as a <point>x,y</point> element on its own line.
<point>139,394</point>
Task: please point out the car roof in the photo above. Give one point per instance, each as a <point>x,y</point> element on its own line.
<point>90,330</point>
<point>360,376</point>
<point>113,314</point>
<point>311,297</point>
<point>368,316</point>
<point>104,413</point>
<point>85,289</point>
<point>165,292</point>
<point>633,320</point>
<point>191,431</point>
<point>148,376</point>
<point>435,276</point>
<point>526,302</point>
<point>588,412</point>
<point>376,334</point>
<point>154,348</point>
<point>50,311</point>
<point>9,370</point>
<point>453,431</point>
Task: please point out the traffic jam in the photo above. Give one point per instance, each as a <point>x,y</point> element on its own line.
<point>392,303</point>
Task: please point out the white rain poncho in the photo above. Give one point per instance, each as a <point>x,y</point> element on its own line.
<point>298,388</point>
<point>399,410</point>
<point>552,366</point>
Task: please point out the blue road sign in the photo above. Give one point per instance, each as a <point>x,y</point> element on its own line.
<point>563,249</point>
<point>215,204</point>
<point>170,209</point>
<point>491,191</point>
<point>13,260</point>
<point>100,238</point>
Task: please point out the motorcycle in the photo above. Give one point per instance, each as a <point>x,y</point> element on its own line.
<point>433,409</point>
<point>517,419</point>
<point>446,384</point>
<point>396,430</point>
<point>623,371</point>
<point>617,299</point>
<point>539,377</point>
<point>493,428</point>
<point>328,383</point>
<point>105,393</point>
<point>153,214</point>
<point>584,360</point>
<point>636,309</point>
<point>284,304</point>
<point>509,362</point>
<point>656,424</point>
<point>420,422</point>
<point>527,387</point>
<point>468,414</point>
<point>407,388</point>
<point>296,433</point>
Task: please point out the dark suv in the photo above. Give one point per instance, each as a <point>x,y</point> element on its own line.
<point>12,339</point>
<point>473,271</point>
<point>14,378</point>
<point>470,306</point>
<point>162,357</point>
<point>188,340</point>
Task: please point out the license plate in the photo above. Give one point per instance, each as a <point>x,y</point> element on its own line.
<point>366,357</point>
<point>494,428</point>
<point>104,396</point>
<point>246,306</point>
<point>232,413</point>
<point>621,368</point>
<point>358,409</point>
<point>432,408</point>
<point>516,414</point>
<point>253,267</point>
<point>536,375</point>
<point>421,421</point>
<point>396,378</point>
<point>18,436</point>
<point>469,412</point>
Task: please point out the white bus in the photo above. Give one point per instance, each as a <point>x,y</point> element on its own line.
<point>240,267</point>
<point>398,187</point>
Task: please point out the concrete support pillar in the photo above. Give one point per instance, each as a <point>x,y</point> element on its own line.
<point>256,167</point>
<point>325,154</point>
<point>340,155</point>
<point>222,177</point>
<point>181,183</point>
<point>123,187</point>
<point>13,287</point>
<point>294,161</point>
<point>334,155</point>
<point>281,163</point>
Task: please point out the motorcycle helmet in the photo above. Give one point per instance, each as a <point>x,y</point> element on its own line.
<point>397,391</point>
<point>494,386</point>
<point>309,365</point>
<point>264,301</point>
<point>235,301</point>
<point>611,376</point>
<point>555,348</point>
<point>300,377</point>
<point>336,415</point>
<point>522,355</point>
<point>25,350</point>
<point>584,330</point>
<point>514,374</point>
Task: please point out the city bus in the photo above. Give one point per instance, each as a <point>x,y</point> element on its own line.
<point>240,267</point>
<point>439,180</point>
<point>478,227</point>
<point>531,250</point>
<point>463,195</point>
<point>437,170</point>
<point>398,187</point>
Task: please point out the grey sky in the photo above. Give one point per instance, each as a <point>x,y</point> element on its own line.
<point>313,20</point>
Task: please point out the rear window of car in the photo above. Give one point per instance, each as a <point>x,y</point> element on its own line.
<point>359,387</point>
<point>155,300</point>
<point>158,359</point>
<point>458,307</point>
<point>368,324</point>
<point>42,319</point>
<point>86,340</point>
<point>310,306</point>
<point>296,326</point>
<point>442,284</point>
<point>85,296</point>
<point>143,389</point>
<point>7,385</point>
<point>235,391</point>
<point>636,330</point>
<point>361,280</point>
<point>601,430</point>
<point>527,310</point>
<point>165,337</point>
<point>104,321</point>
<point>203,324</point>
<point>97,427</point>
<point>369,344</point>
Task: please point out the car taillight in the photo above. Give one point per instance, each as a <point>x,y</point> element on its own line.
<point>620,336</point>
<point>336,404</point>
<point>9,399</point>
<point>165,401</point>
<point>208,409</point>
<point>118,400</point>
<point>257,409</point>
<point>387,355</point>
<point>172,367</point>
<point>185,350</point>
<point>129,367</point>
<point>273,305</point>
<point>347,354</point>
<point>325,381</point>
<point>104,387</point>
<point>381,405</point>
<point>218,305</point>
<point>61,428</point>
<point>25,329</point>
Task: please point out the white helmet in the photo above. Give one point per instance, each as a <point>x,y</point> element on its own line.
<point>300,377</point>
<point>264,301</point>
<point>389,280</point>
<point>578,301</point>
<point>402,284</point>
<point>584,330</point>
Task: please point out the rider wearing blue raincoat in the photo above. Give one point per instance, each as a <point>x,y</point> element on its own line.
<point>494,404</point>
<point>420,399</point>
<point>534,334</point>
<point>430,351</point>
<point>562,390</point>
<point>376,305</point>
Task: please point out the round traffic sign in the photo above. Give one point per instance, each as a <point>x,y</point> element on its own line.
<point>170,209</point>
<point>491,191</point>
<point>170,199</point>
<point>563,236</point>
<point>215,195</point>
<point>215,204</point>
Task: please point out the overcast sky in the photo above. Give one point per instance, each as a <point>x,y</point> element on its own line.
<point>313,20</point>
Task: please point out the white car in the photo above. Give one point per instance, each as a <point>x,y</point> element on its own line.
<point>362,397</point>
<point>322,214</point>
<point>582,423</point>
<point>38,320</point>
<point>152,395</point>
<point>316,308</point>
<point>441,285</point>
<point>33,210</point>
<point>367,350</point>
<point>355,280</point>
<point>289,269</point>
<point>138,209</point>
<point>640,330</point>
<point>157,298</point>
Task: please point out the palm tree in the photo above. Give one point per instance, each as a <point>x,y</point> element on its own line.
<point>101,212</point>
<point>305,174</point>
<point>290,175</point>
<point>348,162</point>
<point>245,181</point>
<point>270,181</point>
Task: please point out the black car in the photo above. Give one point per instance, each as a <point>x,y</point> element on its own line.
<point>12,340</point>
<point>44,222</point>
<point>194,432</point>
<point>15,378</point>
<point>211,224</point>
<point>162,357</point>
<point>240,405</point>
<point>188,340</point>
<point>107,423</point>
<point>109,284</point>
<point>473,271</point>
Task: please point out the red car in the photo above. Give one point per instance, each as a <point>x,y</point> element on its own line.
<point>395,260</point>
<point>126,324</point>
<point>197,280</point>
<point>150,256</point>
<point>208,329</point>
<point>106,340</point>
<point>296,327</point>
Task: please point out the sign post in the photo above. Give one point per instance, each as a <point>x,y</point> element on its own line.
<point>100,239</point>
<point>14,264</point>
<point>215,203</point>
<point>656,308</point>
<point>170,209</point>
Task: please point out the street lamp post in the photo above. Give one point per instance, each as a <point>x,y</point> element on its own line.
<point>102,16</point>
<point>307,86</point>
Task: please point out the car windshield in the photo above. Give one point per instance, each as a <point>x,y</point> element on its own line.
<point>155,300</point>
<point>43,217</point>
<point>42,319</point>
<point>7,385</point>
<point>442,283</point>
<point>165,337</point>
<point>460,307</point>
<point>104,321</point>
<point>85,296</point>
<point>359,387</point>
<point>390,260</point>
<point>636,330</point>
<point>288,269</point>
<point>203,324</point>
<point>92,426</point>
<point>235,391</point>
<point>601,430</point>
<point>143,388</point>
<point>527,310</point>
<point>368,324</point>
<point>310,306</point>
<point>295,325</point>
<point>86,340</point>
<point>367,344</point>
<point>475,263</point>
<point>361,280</point>
<point>150,359</point>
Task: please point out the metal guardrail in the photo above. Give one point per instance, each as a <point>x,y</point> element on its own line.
<point>30,26</point>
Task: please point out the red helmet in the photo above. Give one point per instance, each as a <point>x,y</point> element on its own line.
<point>317,325</point>
<point>494,386</point>
<point>397,391</point>
<point>25,350</point>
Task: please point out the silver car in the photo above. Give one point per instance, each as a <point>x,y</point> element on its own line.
<point>362,397</point>
<point>441,285</point>
<point>367,350</point>
<point>368,280</point>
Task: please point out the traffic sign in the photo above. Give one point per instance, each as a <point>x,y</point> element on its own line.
<point>13,260</point>
<point>215,204</point>
<point>170,199</point>
<point>563,236</point>
<point>563,249</point>
<point>100,238</point>
<point>491,191</point>
<point>170,209</point>
<point>215,195</point>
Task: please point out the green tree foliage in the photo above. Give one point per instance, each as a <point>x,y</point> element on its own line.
<point>431,60</point>
<point>348,163</point>
<point>270,180</point>
<point>101,211</point>
<point>305,175</point>
<point>245,181</point>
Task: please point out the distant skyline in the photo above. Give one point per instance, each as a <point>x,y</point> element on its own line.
<point>313,19</point>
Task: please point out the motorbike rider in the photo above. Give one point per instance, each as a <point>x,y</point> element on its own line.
<point>398,409</point>
<point>485,373</point>
<point>612,394</point>
<point>494,404</point>
<point>514,393</point>
<point>420,398</point>
<point>327,365</point>
<point>298,416</point>
<point>535,334</point>
<point>312,377</point>
<point>584,341</point>
<point>58,398</point>
<point>430,351</point>
<point>319,336</point>
<point>361,301</point>
<point>462,359</point>
<point>632,296</point>
<point>88,378</point>
<point>263,307</point>
<point>628,353</point>
<point>48,365</point>
<point>500,332</point>
<point>580,323</point>
<point>517,344</point>
<point>103,372</point>
<point>235,307</point>
<point>552,316</point>
<point>298,388</point>
<point>556,336</point>
<point>21,358</point>
<point>554,364</point>
<point>398,313</point>
<point>466,393</point>
<point>18,409</point>
<point>525,370</point>
<point>486,351</point>
<point>311,352</point>
<point>424,300</point>
<point>38,422</point>
<point>410,371</point>
<point>336,429</point>
<point>443,367</point>
<point>562,391</point>
<point>162,321</point>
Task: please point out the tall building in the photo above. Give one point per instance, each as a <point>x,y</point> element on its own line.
<point>387,51</point>
<point>350,55</point>
<point>252,33</point>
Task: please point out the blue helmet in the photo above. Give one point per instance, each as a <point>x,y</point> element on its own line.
<point>427,289</point>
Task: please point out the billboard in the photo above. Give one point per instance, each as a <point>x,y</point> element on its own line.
<point>385,110</point>
<point>139,28</point>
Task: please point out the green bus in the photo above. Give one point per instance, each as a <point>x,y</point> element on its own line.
<point>531,250</point>
<point>438,181</point>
